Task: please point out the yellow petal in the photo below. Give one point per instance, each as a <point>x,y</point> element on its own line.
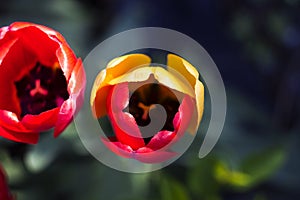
<point>160,74</point>
<point>199,92</point>
<point>177,65</point>
<point>115,68</point>
<point>183,67</point>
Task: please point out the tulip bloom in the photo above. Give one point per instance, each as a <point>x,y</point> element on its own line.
<point>41,82</point>
<point>129,89</point>
<point>4,191</point>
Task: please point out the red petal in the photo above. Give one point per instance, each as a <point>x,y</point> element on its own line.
<point>39,42</point>
<point>6,41</point>
<point>181,122</point>
<point>118,148</point>
<point>25,137</point>
<point>145,155</point>
<point>71,106</point>
<point>4,190</point>
<point>185,111</point>
<point>67,59</point>
<point>20,25</point>
<point>120,92</point>
<point>77,81</point>
<point>6,35</point>
<point>65,115</point>
<point>176,121</point>
<point>41,122</point>
<point>49,45</point>
<point>11,70</point>
<point>3,32</point>
<point>161,139</point>
<point>10,121</point>
<point>123,123</point>
<point>5,47</point>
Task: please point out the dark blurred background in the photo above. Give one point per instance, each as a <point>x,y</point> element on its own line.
<point>256,46</point>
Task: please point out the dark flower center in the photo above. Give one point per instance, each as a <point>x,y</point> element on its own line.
<point>42,89</point>
<point>144,99</point>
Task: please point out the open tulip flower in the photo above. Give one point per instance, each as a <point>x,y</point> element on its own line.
<point>41,82</point>
<point>131,91</point>
<point>4,191</point>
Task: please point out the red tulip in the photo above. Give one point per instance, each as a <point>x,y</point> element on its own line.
<point>129,89</point>
<point>41,82</point>
<point>4,191</point>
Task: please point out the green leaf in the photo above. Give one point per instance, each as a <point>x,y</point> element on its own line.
<point>172,190</point>
<point>253,170</point>
<point>230,177</point>
<point>260,166</point>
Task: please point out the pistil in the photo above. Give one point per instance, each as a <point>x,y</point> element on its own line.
<point>38,89</point>
<point>41,89</point>
<point>146,110</point>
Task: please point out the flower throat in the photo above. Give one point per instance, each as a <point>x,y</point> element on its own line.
<point>42,89</point>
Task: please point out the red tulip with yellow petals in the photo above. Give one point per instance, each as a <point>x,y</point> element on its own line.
<point>131,90</point>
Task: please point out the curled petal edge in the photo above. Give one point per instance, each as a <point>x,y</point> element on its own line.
<point>123,123</point>
<point>114,69</point>
<point>144,154</point>
<point>178,65</point>
<point>30,138</point>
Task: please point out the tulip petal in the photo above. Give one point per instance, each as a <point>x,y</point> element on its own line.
<point>199,91</point>
<point>119,98</point>
<point>30,138</point>
<point>98,107</point>
<point>45,42</point>
<point>4,190</point>
<point>65,115</point>
<point>183,67</point>
<point>144,154</point>
<point>3,32</point>
<point>11,70</point>
<point>5,47</point>
<point>77,81</point>
<point>115,68</point>
<point>181,122</point>
<point>185,111</point>
<point>161,139</point>
<point>118,148</point>
<point>70,107</point>
<point>160,74</point>
<point>41,122</point>
<point>178,65</point>
<point>67,60</point>
<point>123,123</point>
<point>10,121</point>
<point>21,25</point>
<point>40,43</point>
